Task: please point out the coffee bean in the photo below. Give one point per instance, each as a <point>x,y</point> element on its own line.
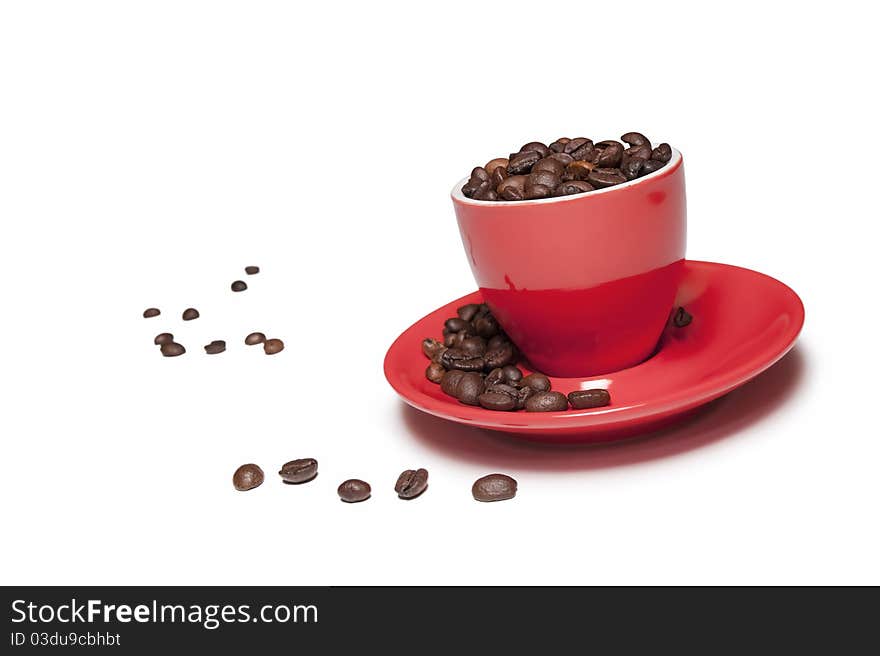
<point>239,286</point>
<point>247,477</point>
<point>499,175</point>
<point>579,169</point>
<point>450,380</point>
<point>543,177</point>
<point>584,152</point>
<point>495,377</point>
<point>151,312</point>
<point>576,144</point>
<point>493,400</point>
<point>498,162</point>
<point>432,348</point>
<point>537,147</point>
<point>601,178</point>
<point>662,153</point>
<point>538,382</point>
<point>299,471</point>
<point>546,402</point>
<point>496,341</point>
<point>486,191</point>
<point>573,187</point>
<point>503,388</point>
<point>534,192</point>
<point>521,163</point>
<point>562,158</point>
<point>635,139</point>
<point>494,487</point>
<point>479,173</point>
<point>468,312</point>
<point>254,338</point>
<point>190,313</point>
<point>591,398</point>
<point>524,395</point>
<point>550,165</point>
<point>354,490</point>
<point>252,270</point>
<point>172,349</point>
<point>435,372</point>
<point>632,167</point>
<point>512,374</point>
<point>469,388</point>
<point>513,188</point>
<point>642,152</point>
<point>607,154</point>
<point>273,346</point>
<point>455,358</point>
<point>558,146</point>
<point>650,166</point>
<point>486,326</point>
<point>217,346</point>
<point>411,483</point>
<point>457,324</point>
<point>473,345</point>
<point>682,318</point>
<point>163,338</point>
<point>500,357</point>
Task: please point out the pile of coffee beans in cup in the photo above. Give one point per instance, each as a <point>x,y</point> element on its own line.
<point>477,364</point>
<point>566,167</point>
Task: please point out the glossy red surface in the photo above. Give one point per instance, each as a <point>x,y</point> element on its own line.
<point>582,283</point>
<point>743,323</point>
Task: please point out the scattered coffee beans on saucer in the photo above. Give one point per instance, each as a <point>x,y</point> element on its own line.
<point>411,483</point>
<point>476,363</point>
<point>190,313</point>
<point>163,338</point>
<point>172,349</point>
<point>252,270</point>
<point>354,490</point>
<point>247,477</point>
<point>217,346</point>
<point>239,286</point>
<point>151,312</point>
<point>565,167</point>
<point>273,346</point>
<point>494,487</point>
<point>299,471</point>
<point>254,338</point>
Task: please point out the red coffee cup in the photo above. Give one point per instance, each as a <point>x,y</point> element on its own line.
<point>583,284</point>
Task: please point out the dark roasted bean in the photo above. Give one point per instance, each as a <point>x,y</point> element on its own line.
<point>496,401</point>
<point>435,372</point>
<point>576,144</point>
<point>536,147</point>
<point>450,380</point>
<point>543,177</point>
<point>573,187</point>
<point>538,382</point>
<point>469,388</point>
<point>457,324</point>
<point>411,483</point>
<point>563,158</point>
<point>172,349</point>
<point>468,312</point>
<point>682,318</point>
<point>499,175</point>
<point>513,188</point>
<point>163,338</point>
<point>252,270</point>
<point>601,178</point>
<point>591,398</point>
<point>239,286</point>
<point>494,487</point>
<point>503,388</point>
<point>512,374</point>
<point>247,477</point>
<point>642,152</point>
<point>550,165</point>
<point>486,326</point>
<point>486,191</point>
<point>215,347</point>
<point>254,338</point>
<point>299,471</point>
<point>523,396</point>
<point>498,162</point>
<point>547,402</point>
<point>558,146</point>
<point>151,312</point>
<point>662,153</point>
<point>521,163</point>
<point>635,139</point>
<point>579,169</point>
<point>650,166</point>
<point>632,167</point>
<point>190,313</point>
<point>496,341</point>
<point>354,490</point>
<point>479,173</point>
<point>455,358</point>
<point>584,152</point>
<point>607,154</point>
<point>533,192</point>
<point>494,377</point>
<point>500,357</point>
<point>473,345</point>
<point>273,346</point>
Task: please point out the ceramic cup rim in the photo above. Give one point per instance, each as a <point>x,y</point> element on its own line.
<point>674,162</point>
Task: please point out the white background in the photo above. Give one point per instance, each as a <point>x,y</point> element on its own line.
<point>149,151</point>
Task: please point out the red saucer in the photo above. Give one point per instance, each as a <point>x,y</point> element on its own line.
<point>743,322</point>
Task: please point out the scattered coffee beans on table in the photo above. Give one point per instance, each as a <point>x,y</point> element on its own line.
<point>217,346</point>
<point>299,471</point>
<point>190,313</point>
<point>239,286</point>
<point>411,483</point>
<point>591,398</point>
<point>247,477</point>
<point>252,270</point>
<point>565,167</point>
<point>163,338</point>
<point>354,490</point>
<point>273,346</point>
<point>172,349</point>
<point>494,487</point>
<point>254,338</point>
<point>151,312</point>
<point>476,363</point>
